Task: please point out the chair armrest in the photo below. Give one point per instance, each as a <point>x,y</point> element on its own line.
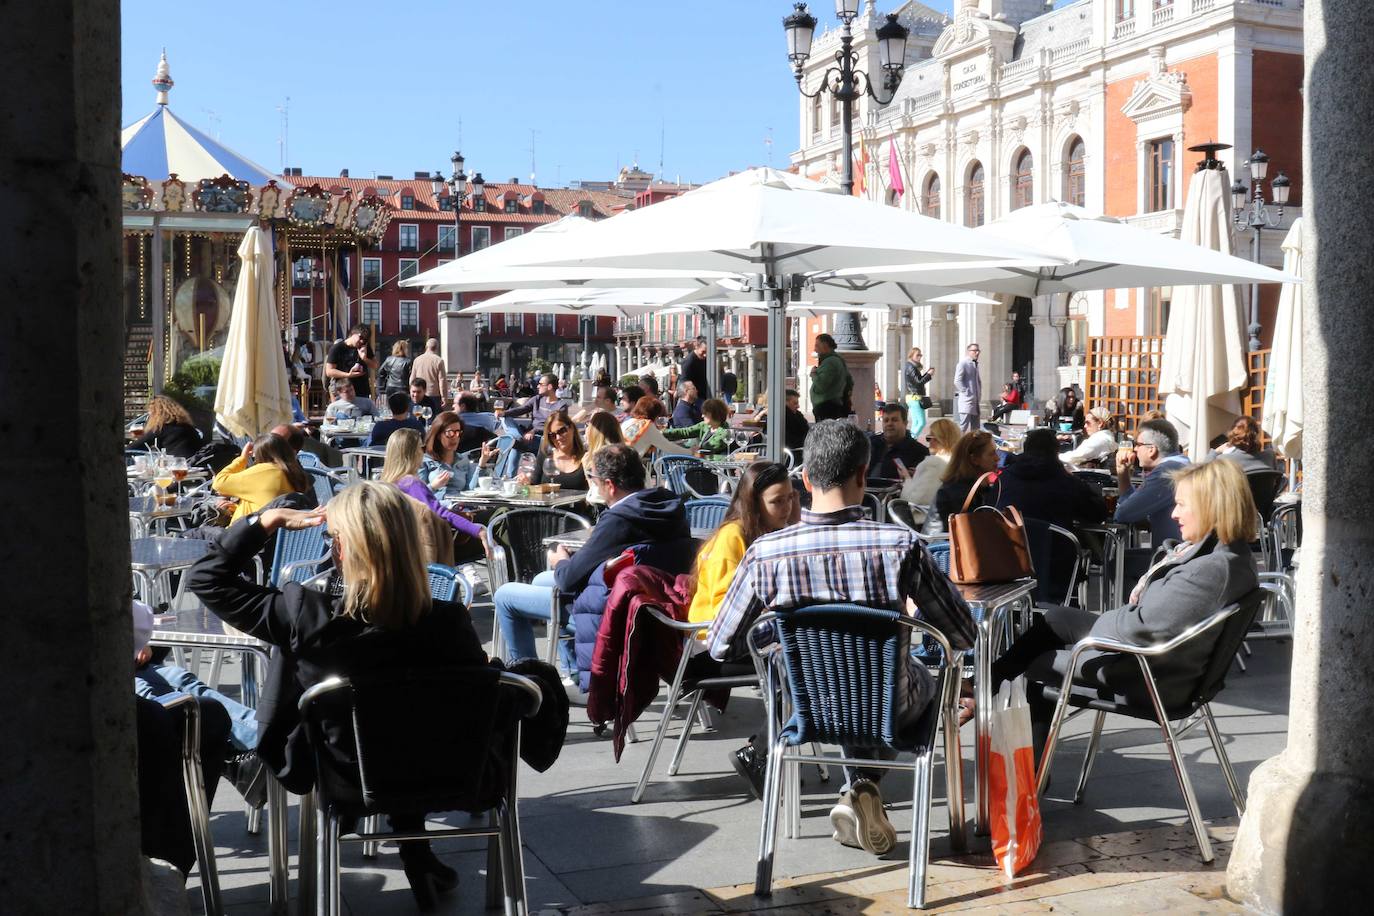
<point>682,626</point>
<point>327,685</point>
<point>534,697</point>
<point>1112,645</point>
<point>287,571</point>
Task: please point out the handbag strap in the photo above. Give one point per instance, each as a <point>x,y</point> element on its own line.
<point>973,490</point>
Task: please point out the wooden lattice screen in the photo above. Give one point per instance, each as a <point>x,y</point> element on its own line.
<point>1123,375</point>
<point>1252,396</point>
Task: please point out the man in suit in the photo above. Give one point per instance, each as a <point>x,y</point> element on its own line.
<point>968,390</point>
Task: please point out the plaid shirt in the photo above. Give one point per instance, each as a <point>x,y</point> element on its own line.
<point>838,557</point>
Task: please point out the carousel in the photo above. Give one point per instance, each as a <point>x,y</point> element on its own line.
<point>187,201</point>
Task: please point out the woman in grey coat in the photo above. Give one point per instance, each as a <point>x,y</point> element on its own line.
<point>1211,568</point>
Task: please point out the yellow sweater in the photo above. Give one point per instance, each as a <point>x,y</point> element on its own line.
<point>716,565</point>
<point>255,487</point>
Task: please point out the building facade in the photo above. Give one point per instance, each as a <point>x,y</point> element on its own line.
<point>1093,102</point>
<point>420,236</point>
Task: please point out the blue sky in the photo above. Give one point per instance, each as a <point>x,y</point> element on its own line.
<point>381,87</point>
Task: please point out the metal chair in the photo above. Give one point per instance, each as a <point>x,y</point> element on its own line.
<point>873,507</point>
<point>294,547</point>
<point>515,541</point>
<point>707,512</point>
<point>671,471</point>
<point>448,584</point>
<point>326,483</point>
<point>1041,536</point>
<point>405,768</point>
<point>837,665</point>
<point>196,804</point>
<point>906,514</point>
<point>1227,627</point>
<point>683,688</point>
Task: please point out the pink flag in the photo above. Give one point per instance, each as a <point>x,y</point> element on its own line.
<point>894,168</point>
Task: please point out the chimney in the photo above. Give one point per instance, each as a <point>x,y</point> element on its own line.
<point>421,176</point>
<point>385,178</point>
<point>343,173</point>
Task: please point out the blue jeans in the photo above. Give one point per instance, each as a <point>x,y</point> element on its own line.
<point>518,608</point>
<point>153,682</point>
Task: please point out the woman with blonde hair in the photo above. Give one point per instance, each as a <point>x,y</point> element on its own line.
<point>265,469</point>
<point>384,621</point>
<point>394,373</point>
<point>1100,443</point>
<point>169,429</point>
<point>404,455</point>
<point>602,429</point>
<point>1211,568</point>
<point>920,488</point>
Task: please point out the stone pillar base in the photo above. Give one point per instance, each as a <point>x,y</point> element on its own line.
<point>862,365</point>
<point>1304,845</point>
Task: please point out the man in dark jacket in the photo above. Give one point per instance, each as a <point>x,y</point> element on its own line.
<point>688,409</point>
<point>694,368</point>
<point>635,515</point>
<point>895,453</point>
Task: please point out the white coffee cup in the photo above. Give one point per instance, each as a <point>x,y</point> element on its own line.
<point>510,487</point>
<point>484,483</point>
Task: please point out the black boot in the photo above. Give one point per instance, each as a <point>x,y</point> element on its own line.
<point>428,876</point>
<point>751,763</point>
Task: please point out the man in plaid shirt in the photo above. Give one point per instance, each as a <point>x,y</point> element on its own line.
<point>835,554</point>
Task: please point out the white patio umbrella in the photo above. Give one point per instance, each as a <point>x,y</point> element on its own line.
<point>254,393</point>
<point>628,302</point>
<point>505,266</point>
<point>1090,253</point>
<point>1282,417</point>
<point>1203,366</point>
<point>784,230</point>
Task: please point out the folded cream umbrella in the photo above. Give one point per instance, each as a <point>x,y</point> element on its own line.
<point>1203,367</point>
<point>1282,417</point>
<point>254,392</point>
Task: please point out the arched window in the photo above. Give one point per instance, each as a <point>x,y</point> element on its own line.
<point>1075,186</point>
<point>973,195</point>
<point>1022,180</point>
<point>930,196</point>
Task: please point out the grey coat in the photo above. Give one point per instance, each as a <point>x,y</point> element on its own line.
<point>968,388</point>
<point>1176,593</point>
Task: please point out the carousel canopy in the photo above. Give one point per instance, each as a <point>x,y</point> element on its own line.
<point>161,144</point>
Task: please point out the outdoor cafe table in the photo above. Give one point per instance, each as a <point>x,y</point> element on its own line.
<point>153,558</point>
<point>574,540</point>
<point>991,605</point>
<point>493,500</point>
<point>149,517</point>
<point>362,457</point>
<point>197,628</point>
<point>1116,538</point>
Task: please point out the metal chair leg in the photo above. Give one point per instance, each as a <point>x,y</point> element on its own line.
<point>495,864</point>
<point>669,704</point>
<point>324,868</point>
<point>306,873</point>
<point>954,777</point>
<point>371,824</point>
<point>199,809</point>
<point>686,734</point>
<point>1189,799</point>
<point>515,874</point>
<point>253,817</point>
<point>1232,783</point>
<point>920,833</point>
<point>772,801</point>
<point>332,842</point>
<point>1093,742</point>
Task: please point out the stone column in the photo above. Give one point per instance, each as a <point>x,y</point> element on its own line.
<point>457,341</point>
<point>941,357</point>
<point>751,373</point>
<point>1307,837</point>
<point>67,776</point>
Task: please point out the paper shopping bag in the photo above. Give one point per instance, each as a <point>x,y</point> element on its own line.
<point>1013,803</point>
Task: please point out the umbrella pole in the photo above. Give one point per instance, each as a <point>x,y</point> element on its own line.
<point>712,332</point>
<point>777,370</point>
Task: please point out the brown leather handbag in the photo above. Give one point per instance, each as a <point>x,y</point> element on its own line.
<point>987,545</point>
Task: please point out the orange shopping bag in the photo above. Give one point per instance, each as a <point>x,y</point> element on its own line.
<point>1013,803</point>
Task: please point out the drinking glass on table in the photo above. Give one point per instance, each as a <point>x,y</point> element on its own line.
<point>179,469</point>
<point>550,468</point>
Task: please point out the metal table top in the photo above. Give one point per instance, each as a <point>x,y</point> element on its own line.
<point>199,627</point>
<point>145,508</point>
<point>575,539</point>
<point>159,554</point>
<point>191,473</point>
<point>996,594</point>
<point>533,501</point>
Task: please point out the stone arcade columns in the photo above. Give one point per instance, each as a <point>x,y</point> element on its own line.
<point>68,793</point>
<point>1307,838</point>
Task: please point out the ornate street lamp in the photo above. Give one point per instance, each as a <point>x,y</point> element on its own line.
<point>1252,213</point>
<point>458,193</point>
<point>847,84</point>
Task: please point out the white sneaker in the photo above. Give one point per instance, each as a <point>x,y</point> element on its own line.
<point>860,820</point>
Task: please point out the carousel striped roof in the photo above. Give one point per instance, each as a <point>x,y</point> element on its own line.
<point>162,143</point>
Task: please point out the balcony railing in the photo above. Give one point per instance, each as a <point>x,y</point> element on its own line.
<point>1162,16</point>
<point>1124,29</point>
<point>1202,6</point>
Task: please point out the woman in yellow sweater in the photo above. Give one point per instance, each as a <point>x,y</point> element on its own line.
<point>764,501</point>
<point>267,468</point>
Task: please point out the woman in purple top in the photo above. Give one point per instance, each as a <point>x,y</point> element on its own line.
<point>403,458</point>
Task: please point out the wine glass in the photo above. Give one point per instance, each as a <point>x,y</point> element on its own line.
<point>550,467</point>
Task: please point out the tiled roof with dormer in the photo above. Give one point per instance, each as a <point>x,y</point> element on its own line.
<point>558,202</point>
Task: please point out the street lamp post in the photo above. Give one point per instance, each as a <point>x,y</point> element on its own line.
<point>847,84</point>
<point>1252,213</point>
<point>457,185</point>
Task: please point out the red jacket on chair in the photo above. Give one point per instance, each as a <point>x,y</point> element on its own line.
<point>630,660</point>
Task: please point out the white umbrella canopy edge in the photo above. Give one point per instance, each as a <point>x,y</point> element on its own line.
<point>254,392</point>
<point>1203,366</point>
<point>1282,417</point>
<point>628,302</point>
